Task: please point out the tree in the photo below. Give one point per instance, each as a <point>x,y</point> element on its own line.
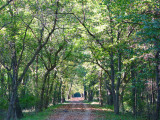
<point>16,58</point>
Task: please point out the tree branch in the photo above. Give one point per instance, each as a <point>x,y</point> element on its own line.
<point>40,46</point>
<point>103,68</point>
<point>20,58</point>
<point>5,5</point>
<point>4,25</point>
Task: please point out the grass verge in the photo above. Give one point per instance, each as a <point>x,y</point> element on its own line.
<point>40,115</point>
<point>108,112</point>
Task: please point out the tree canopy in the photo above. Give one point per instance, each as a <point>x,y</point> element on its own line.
<point>105,50</point>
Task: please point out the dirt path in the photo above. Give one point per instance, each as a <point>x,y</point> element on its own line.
<point>75,110</point>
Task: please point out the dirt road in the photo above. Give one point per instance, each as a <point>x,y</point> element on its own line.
<point>75,110</point>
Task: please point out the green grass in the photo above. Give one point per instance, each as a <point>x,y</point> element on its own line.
<point>86,101</point>
<point>40,115</point>
<point>110,115</point>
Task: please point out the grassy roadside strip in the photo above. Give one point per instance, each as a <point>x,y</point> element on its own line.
<point>40,115</point>
<point>108,112</point>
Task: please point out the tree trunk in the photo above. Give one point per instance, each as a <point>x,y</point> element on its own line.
<point>9,83</point>
<point>14,110</point>
<point>122,105</point>
<point>69,92</point>
<point>112,81</point>
<point>54,94</point>
<point>48,95</point>
<point>59,92</point>
<point>85,92</point>
<point>152,94</point>
<point>110,97</point>
<point>118,83</point>
<point>158,83</point>
<point>41,103</point>
<point>100,89</point>
<point>148,108</point>
<point>12,105</point>
<point>62,93</point>
<point>46,101</point>
<point>18,109</point>
<point>109,92</point>
<point>90,95</point>
<point>11,115</point>
<point>2,84</point>
<point>51,89</point>
<point>36,85</point>
<point>36,75</point>
<point>133,89</point>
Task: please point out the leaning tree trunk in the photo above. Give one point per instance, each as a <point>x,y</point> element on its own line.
<point>11,115</point>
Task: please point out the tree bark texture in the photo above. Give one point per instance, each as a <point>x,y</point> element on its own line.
<point>158,83</point>
<point>133,89</point>
<point>113,80</point>
<point>118,83</point>
<point>100,89</point>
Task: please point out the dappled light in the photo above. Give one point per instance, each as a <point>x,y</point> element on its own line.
<point>76,110</point>
<point>79,59</point>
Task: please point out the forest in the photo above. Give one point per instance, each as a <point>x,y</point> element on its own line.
<point>106,50</point>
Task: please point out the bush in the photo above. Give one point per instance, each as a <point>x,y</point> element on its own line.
<point>3,103</point>
<point>28,101</point>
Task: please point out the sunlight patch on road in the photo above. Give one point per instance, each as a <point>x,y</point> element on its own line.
<point>95,103</point>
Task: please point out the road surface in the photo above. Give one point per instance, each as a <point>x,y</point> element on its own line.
<point>75,110</point>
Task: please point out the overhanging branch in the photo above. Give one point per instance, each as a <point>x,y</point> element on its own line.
<point>5,5</point>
